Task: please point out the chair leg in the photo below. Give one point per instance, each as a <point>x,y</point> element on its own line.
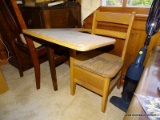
<point>20,66</point>
<point>52,67</point>
<point>72,83</point>
<point>21,73</point>
<point>19,61</point>
<point>35,60</point>
<point>37,75</point>
<point>119,83</point>
<point>105,95</point>
<point>37,71</point>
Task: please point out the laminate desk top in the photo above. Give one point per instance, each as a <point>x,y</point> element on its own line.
<point>70,38</point>
<point>147,86</point>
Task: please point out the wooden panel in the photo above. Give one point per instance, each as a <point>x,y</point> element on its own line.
<point>89,80</point>
<point>3,84</point>
<point>107,17</point>
<point>137,38</point>
<point>62,17</point>
<point>67,16</point>
<point>126,9</point>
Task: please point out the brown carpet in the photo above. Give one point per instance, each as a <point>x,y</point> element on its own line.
<point>24,102</point>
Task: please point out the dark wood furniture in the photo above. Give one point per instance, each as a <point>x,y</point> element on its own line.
<point>57,54</point>
<point>25,55</point>
<point>147,86</point>
<point>67,15</point>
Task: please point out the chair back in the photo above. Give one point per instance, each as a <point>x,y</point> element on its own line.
<point>10,25</point>
<point>18,14</point>
<point>23,25</point>
<point>114,19</point>
<point>6,35</point>
<point>11,37</point>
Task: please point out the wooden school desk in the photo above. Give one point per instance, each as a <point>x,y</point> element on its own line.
<point>70,38</point>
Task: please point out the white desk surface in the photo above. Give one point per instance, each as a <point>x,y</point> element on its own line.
<point>70,38</point>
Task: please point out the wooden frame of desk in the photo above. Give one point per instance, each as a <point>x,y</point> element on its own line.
<point>70,38</point>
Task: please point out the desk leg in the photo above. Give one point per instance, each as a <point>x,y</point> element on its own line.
<point>72,83</point>
<point>52,67</point>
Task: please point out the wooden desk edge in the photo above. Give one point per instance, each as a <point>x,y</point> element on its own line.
<point>78,48</point>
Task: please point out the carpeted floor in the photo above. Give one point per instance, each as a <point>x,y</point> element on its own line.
<point>24,102</point>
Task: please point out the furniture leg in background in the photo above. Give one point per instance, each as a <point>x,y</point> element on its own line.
<point>3,84</point>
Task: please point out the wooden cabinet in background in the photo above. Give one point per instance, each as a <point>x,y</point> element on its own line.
<point>64,16</point>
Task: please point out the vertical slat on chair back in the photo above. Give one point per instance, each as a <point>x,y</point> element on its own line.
<point>9,24</point>
<point>12,24</point>
<point>125,19</point>
<point>32,49</point>
<point>6,29</point>
<point>18,14</point>
<point>11,34</point>
<point>22,24</point>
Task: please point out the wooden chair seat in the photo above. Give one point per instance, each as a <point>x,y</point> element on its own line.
<point>105,65</point>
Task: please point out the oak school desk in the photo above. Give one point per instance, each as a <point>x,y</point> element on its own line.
<point>70,38</point>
